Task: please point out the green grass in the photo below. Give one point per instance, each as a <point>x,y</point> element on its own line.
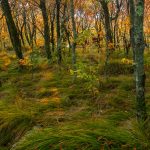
<point>92,135</point>
<point>50,111</point>
<point>14,122</point>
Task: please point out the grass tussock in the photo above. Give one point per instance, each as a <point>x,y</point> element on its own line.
<point>14,122</point>
<point>91,135</point>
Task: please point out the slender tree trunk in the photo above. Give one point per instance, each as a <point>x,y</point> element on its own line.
<point>74,33</point>
<point>68,39</point>
<point>139,47</point>
<point>25,26</point>
<point>46,29</point>
<point>32,28</point>
<point>52,36</point>
<point>109,38</point>
<point>14,36</point>
<point>21,36</point>
<point>20,30</point>
<point>59,53</point>
<point>108,30</point>
<point>52,22</point>
<point>132,28</point>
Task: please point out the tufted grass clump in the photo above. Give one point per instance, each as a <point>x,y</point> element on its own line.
<point>14,122</point>
<point>91,135</point>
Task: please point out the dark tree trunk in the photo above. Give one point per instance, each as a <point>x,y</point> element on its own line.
<point>132,15</point>
<point>52,22</point>
<point>138,46</point>
<point>74,32</point>
<point>25,26</point>
<point>52,36</point>
<point>108,31</point>
<point>46,28</point>
<point>21,36</point>
<point>68,38</point>
<point>14,36</point>
<point>59,53</point>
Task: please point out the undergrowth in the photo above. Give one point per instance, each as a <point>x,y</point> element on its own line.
<point>45,109</point>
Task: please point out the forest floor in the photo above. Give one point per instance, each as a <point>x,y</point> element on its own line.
<point>44,109</point>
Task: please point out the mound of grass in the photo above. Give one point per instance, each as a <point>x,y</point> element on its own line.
<point>91,135</point>
<point>14,122</point>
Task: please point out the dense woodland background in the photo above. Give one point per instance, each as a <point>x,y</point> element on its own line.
<point>74,74</point>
